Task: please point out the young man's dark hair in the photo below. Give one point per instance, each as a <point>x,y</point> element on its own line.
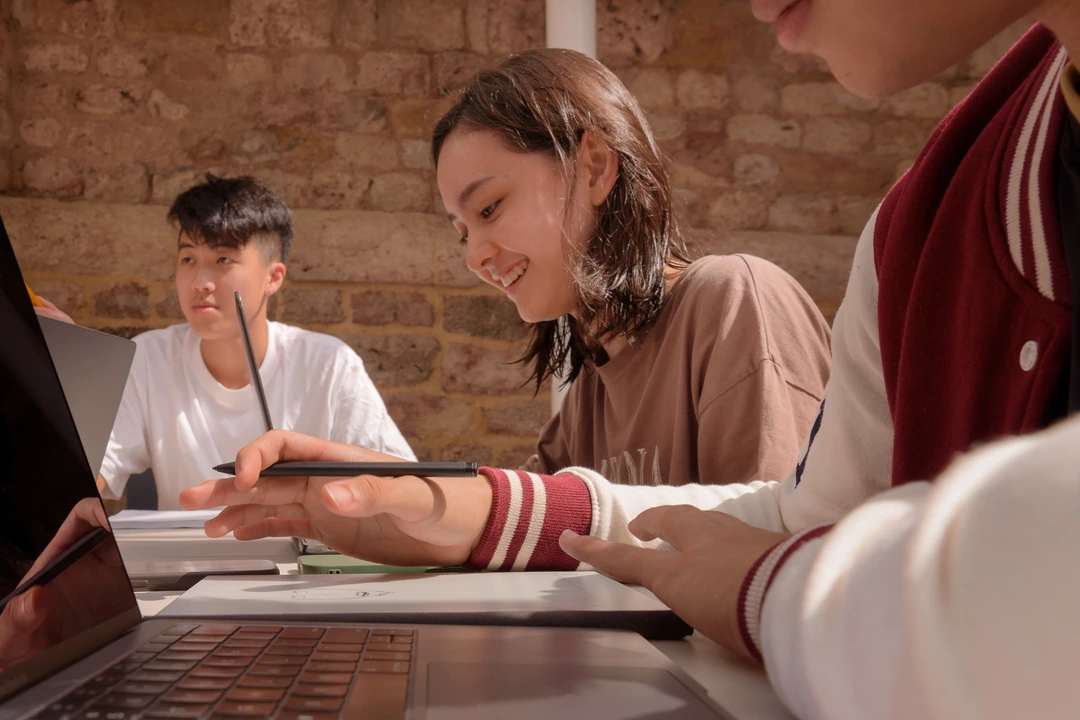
<point>231,211</point>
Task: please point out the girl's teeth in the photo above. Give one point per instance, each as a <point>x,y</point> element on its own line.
<point>509,279</point>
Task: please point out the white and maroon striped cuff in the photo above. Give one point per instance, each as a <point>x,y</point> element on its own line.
<point>757,582</point>
<point>528,513</point>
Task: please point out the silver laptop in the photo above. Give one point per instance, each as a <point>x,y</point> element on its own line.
<point>93,368</point>
<point>92,656</point>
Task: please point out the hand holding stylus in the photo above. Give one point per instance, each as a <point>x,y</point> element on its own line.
<point>396,521</point>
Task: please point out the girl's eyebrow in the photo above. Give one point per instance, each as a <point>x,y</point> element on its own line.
<point>467,192</point>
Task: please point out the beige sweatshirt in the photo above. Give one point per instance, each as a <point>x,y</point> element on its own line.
<point>722,388</point>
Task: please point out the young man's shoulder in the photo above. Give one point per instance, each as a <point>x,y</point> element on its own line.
<point>162,341</point>
<point>297,340</point>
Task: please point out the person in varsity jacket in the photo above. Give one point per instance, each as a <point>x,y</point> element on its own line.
<point>884,577</point>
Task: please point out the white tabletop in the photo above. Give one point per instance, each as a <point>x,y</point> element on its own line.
<point>736,684</point>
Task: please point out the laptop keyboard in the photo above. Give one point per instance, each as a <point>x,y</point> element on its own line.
<point>251,671</point>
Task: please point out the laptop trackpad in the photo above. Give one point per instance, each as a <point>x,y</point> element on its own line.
<point>467,691</point>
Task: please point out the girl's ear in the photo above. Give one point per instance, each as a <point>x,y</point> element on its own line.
<point>277,276</point>
<point>598,164</point>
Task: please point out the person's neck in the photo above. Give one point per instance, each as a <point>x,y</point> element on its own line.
<point>226,358</point>
<point>615,345</point>
<point>1063,19</point>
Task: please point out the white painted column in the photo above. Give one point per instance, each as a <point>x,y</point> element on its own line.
<point>570,24</point>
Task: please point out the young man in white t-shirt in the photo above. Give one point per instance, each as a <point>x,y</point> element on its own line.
<point>188,405</point>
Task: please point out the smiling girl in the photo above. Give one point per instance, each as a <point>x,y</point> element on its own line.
<point>680,371</point>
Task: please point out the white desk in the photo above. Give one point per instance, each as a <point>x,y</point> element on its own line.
<point>738,685</point>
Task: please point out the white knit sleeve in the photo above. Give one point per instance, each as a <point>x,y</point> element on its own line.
<point>956,600</point>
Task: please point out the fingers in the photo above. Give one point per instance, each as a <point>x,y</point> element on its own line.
<point>281,445</point>
<point>50,310</point>
<point>683,526</point>
<point>238,519</point>
<point>269,491</point>
<point>625,563</point>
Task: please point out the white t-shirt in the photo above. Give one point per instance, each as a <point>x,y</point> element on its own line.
<point>178,420</point>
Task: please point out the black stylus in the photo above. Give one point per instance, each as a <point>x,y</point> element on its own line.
<point>351,469</point>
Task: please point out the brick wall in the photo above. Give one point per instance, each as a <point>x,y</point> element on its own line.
<point>111,107</point>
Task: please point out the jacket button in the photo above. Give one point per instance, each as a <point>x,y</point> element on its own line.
<point>1028,355</point>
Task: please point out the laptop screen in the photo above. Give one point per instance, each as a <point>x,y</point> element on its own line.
<point>62,580</point>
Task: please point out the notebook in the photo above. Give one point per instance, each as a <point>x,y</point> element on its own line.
<point>95,657</point>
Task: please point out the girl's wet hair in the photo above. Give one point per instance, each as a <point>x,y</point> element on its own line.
<point>544,100</point>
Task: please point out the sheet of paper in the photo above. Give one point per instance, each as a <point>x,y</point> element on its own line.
<point>449,592</point>
<point>152,519</point>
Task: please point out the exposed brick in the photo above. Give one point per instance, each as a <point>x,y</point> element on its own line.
<point>244,69</point>
<point>400,192</point>
<point>40,132</point>
<point>416,118</point>
<point>804,213</point>
<point>367,151</point>
<point>958,93</point>
<point>478,454</point>
<point>901,137</point>
<point>333,189</point>
<point>854,212</point>
<point>209,18</point>
<point>803,172</point>
<point>835,135</point>
<point>103,100</point>
<point>513,26</point>
<point>396,360</point>
<point>164,187</point>
<point>928,100</point>
<point>454,69</point>
<point>128,300</point>
<point>764,130</point>
<point>256,23</point>
<point>652,87</point>
<point>124,62</point>
<point>754,93</point>
<point>169,308</point>
<point>126,183</point>
<point>798,63</point>
<point>355,112</point>
<point>430,24</point>
<point>667,125</point>
<point>54,57</point>
<point>41,96</point>
<point>428,416</point>
<point>629,32</point>
<point>90,238</point>
<point>524,419</point>
<point>822,98</point>
<point>309,71</point>
<point>194,68</point>
<point>366,247</point>
<point>739,210</point>
<point>313,306</point>
<point>483,371</point>
<point>376,307</point>
<point>416,154</point>
<point>53,175</point>
<point>79,19</point>
<point>483,316</point>
<point>755,169</point>
<point>394,73</point>
<point>451,270</point>
<point>69,297</point>
<point>160,106</point>
<point>356,24</point>
<point>515,455</point>
<point>695,88</point>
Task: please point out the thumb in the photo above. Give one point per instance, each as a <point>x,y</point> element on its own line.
<point>408,498</point>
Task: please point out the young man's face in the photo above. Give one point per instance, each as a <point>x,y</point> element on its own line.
<point>877,47</point>
<point>207,277</point>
